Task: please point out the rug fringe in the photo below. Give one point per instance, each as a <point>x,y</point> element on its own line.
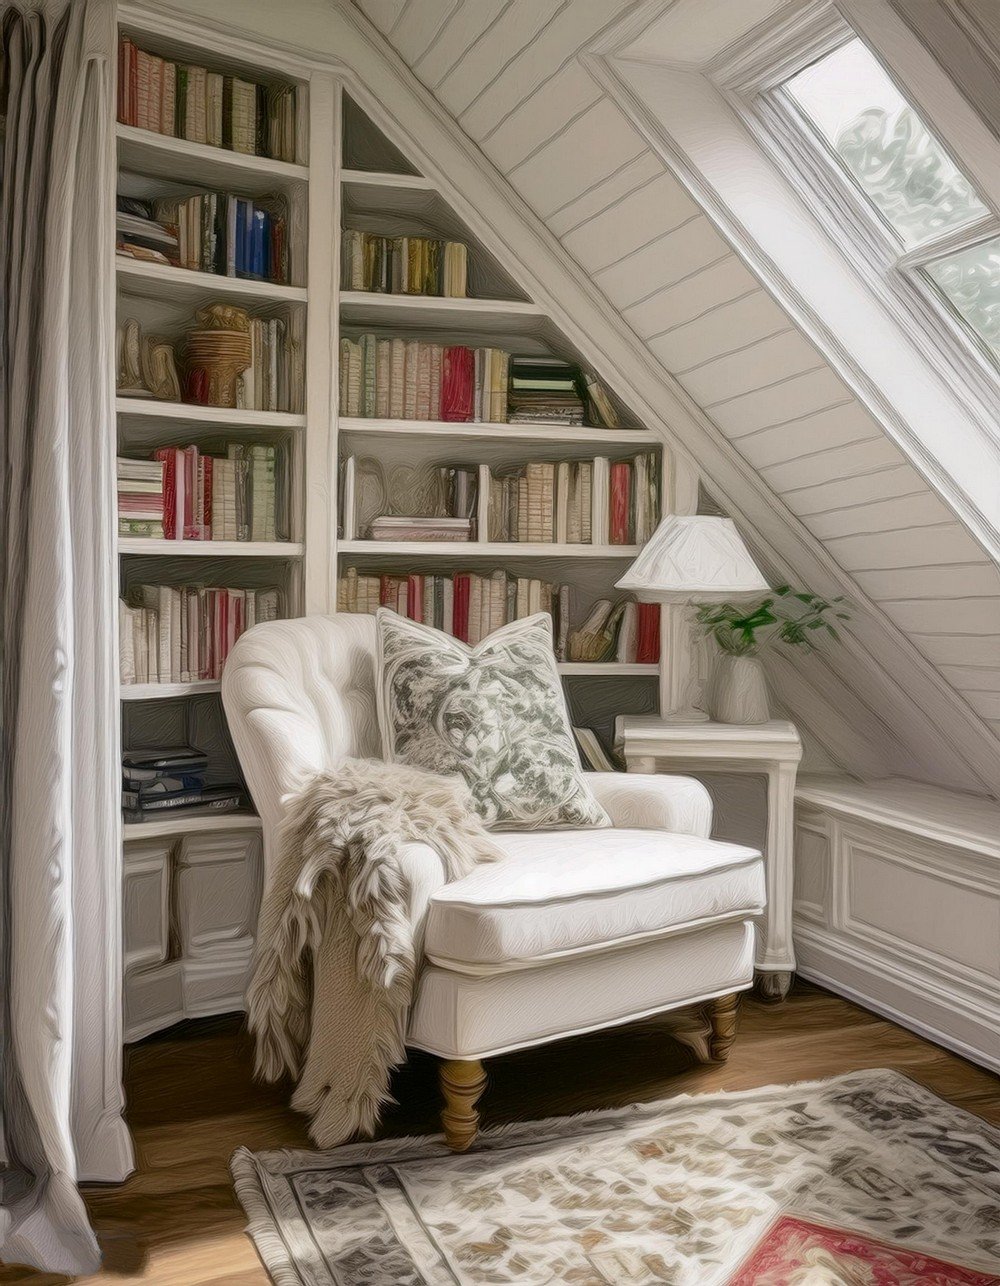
<point>262,1228</point>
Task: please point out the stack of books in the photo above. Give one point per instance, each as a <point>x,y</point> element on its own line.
<point>545,390</point>
<point>575,502</point>
<point>182,494</point>
<point>404,265</point>
<point>160,780</point>
<point>183,633</point>
<point>140,235</point>
<point>202,106</point>
<point>391,528</point>
<point>467,605</point>
<point>216,232</point>
<point>406,379</point>
<point>140,498</point>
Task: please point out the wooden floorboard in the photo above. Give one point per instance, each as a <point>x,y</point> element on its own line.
<point>192,1101</point>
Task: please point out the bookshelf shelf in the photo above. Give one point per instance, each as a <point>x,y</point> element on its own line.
<point>166,691</point>
<point>554,434</point>
<point>184,285</point>
<point>164,157</point>
<point>209,548</point>
<point>223,417</point>
<point>191,824</point>
<point>474,549</point>
<point>608,669</point>
<point>507,316</point>
<point>383,182</point>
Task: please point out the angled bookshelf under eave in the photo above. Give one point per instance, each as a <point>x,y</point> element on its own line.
<point>192,878</point>
<point>385,198</point>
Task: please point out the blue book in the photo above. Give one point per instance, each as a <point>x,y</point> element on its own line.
<point>241,237</point>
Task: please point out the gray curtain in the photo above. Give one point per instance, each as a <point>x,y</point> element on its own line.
<point>57,811</point>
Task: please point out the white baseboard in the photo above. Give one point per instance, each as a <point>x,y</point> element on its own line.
<point>875,983</point>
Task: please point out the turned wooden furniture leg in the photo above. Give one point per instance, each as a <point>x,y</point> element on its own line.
<point>462,1082</point>
<point>723,1014</point>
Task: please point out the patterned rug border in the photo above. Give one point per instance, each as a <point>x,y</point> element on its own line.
<point>249,1168</point>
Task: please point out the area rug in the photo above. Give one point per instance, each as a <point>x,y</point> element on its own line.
<point>864,1180</point>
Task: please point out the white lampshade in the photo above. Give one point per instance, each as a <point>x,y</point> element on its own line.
<point>694,560</point>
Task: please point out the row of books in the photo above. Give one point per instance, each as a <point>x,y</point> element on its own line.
<point>406,379</point>
<point>171,779</point>
<point>190,102</point>
<point>574,502</point>
<point>569,502</point>
<point>216,232</point>
<point>275,378</point>
<point>404,265</point>
<point>181,494</point>
<point>183,633</point>
<point>470,605</point>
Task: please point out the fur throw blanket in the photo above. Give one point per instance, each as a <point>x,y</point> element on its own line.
<point>339,935</point>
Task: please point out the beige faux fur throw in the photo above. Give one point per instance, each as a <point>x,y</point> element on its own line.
<point>340,930</point>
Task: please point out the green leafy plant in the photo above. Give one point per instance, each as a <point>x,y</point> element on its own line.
<point>787,616</point>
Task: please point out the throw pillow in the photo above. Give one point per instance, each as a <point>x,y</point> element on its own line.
<point>494,714</point>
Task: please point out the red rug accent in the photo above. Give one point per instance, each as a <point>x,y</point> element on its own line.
<point>795,1252</point>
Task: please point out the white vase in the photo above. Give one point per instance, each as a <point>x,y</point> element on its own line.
<point>739,690</point>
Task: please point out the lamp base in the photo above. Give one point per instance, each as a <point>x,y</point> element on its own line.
<point>685,715</point>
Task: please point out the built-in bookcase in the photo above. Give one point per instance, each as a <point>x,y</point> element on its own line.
<point>192,883</point>
<point>383,191</point>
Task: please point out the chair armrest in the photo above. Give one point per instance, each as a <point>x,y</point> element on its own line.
<point>651,802</point>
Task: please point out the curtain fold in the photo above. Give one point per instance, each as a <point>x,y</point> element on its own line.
<point>58,740</point>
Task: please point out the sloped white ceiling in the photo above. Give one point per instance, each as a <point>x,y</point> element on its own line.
<point>509,72</point>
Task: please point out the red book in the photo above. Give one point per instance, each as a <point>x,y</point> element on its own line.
<point>460,606</point>
<point>132,73</point>
<point>386,591</point>
<point>206,497</point>
<point>415,598</point>
<point>458,379</point>
<point>621,501</point>
<point>167,456</point>
<point>647,650</point>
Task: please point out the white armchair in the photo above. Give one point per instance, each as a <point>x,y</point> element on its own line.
<point>571,932</point>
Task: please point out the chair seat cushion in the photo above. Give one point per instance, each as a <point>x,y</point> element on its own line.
<point>558,893</point>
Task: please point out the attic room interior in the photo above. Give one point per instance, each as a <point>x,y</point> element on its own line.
<point>500,771</point>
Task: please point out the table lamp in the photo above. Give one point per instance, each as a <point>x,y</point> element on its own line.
<point>689,560</point>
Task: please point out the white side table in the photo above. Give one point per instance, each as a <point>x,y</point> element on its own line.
<point>771,748</point>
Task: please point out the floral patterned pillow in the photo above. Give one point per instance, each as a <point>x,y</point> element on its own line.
<point>494,714</point>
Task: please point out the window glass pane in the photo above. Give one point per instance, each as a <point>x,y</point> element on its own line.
<point>970,282</point>
<point>883,144</point>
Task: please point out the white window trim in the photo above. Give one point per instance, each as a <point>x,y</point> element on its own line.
<point>750,80</point>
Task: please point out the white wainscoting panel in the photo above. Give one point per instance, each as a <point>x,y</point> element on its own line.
<point>897,905</point>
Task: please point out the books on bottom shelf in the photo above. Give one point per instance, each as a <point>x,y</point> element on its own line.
<point>470,605</point>
<point>183,495</point>
<point>157,781</point>
<point>183,633</point>
<point>407,379</point>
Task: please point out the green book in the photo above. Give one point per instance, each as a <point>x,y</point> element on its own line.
<point>180,101</point>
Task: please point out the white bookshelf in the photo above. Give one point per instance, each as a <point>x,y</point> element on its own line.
<point>391,200</point>
<point>218,853</point>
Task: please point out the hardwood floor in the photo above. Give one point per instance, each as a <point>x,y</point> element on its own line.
<point>192,1101</point>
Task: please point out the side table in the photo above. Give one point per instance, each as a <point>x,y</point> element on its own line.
<point>773,748</point>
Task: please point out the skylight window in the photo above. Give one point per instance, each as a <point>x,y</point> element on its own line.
<point>884,146</point>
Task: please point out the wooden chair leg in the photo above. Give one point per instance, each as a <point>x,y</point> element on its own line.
<point>723,1016</point>
<point>462,1082</point>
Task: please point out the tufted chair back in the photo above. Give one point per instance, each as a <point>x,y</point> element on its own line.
<point>299,695</point>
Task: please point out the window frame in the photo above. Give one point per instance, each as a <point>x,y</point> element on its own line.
<point>753,82</point>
